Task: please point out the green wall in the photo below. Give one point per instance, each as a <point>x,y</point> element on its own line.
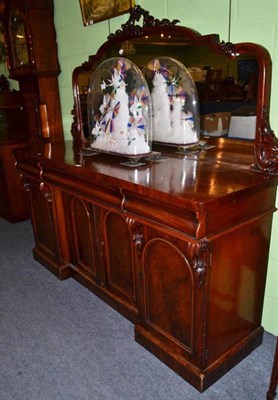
<point>251,21</point>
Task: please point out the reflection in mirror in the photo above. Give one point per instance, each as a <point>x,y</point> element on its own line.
<point>226,87</point>
<point>175,102</point>
<point>233,81</point>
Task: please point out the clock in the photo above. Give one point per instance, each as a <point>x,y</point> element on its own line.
<point>18,38</point>
<point>32,39</point>
<point>32,60</point>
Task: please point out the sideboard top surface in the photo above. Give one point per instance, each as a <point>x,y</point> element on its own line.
<point>222,171</point>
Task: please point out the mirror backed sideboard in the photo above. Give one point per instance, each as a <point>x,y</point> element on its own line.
<point>179,243</point>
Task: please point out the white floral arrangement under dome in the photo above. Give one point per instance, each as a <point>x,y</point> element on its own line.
<point>175,102</point>
<point>120,109</point>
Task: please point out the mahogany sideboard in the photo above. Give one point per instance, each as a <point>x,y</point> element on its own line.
<point>179,247</point>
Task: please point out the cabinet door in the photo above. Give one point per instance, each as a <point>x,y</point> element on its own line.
<point>84,236</point>
<point>119,238</point>
<point>174,274</point>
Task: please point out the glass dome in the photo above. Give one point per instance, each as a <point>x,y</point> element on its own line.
<point>120,109</point>
<point>175,102</point>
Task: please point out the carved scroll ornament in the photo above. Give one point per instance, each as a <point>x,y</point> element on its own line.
<point>136,235</point>
<point>132,29</point>
<point>199,259</point>
<point>266,149</point>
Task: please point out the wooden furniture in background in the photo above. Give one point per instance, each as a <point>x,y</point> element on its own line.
<point>13,135</point>
<point>13,205</point>
<point>274,376</point>
<point>32,59</point>
<point>34,112</point>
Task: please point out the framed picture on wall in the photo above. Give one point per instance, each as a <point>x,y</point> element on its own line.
<point>98,10</point>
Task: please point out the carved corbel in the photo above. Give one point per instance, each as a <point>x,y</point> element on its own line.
<point>46,193</point>
<point>266,148</point>
<point>43,188</point>
<point>136,235</point>
<point>199,255</point>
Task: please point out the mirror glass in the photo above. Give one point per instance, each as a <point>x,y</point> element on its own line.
<point>227,86</point>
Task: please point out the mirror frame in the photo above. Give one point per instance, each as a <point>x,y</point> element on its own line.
<point>265,143</point>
